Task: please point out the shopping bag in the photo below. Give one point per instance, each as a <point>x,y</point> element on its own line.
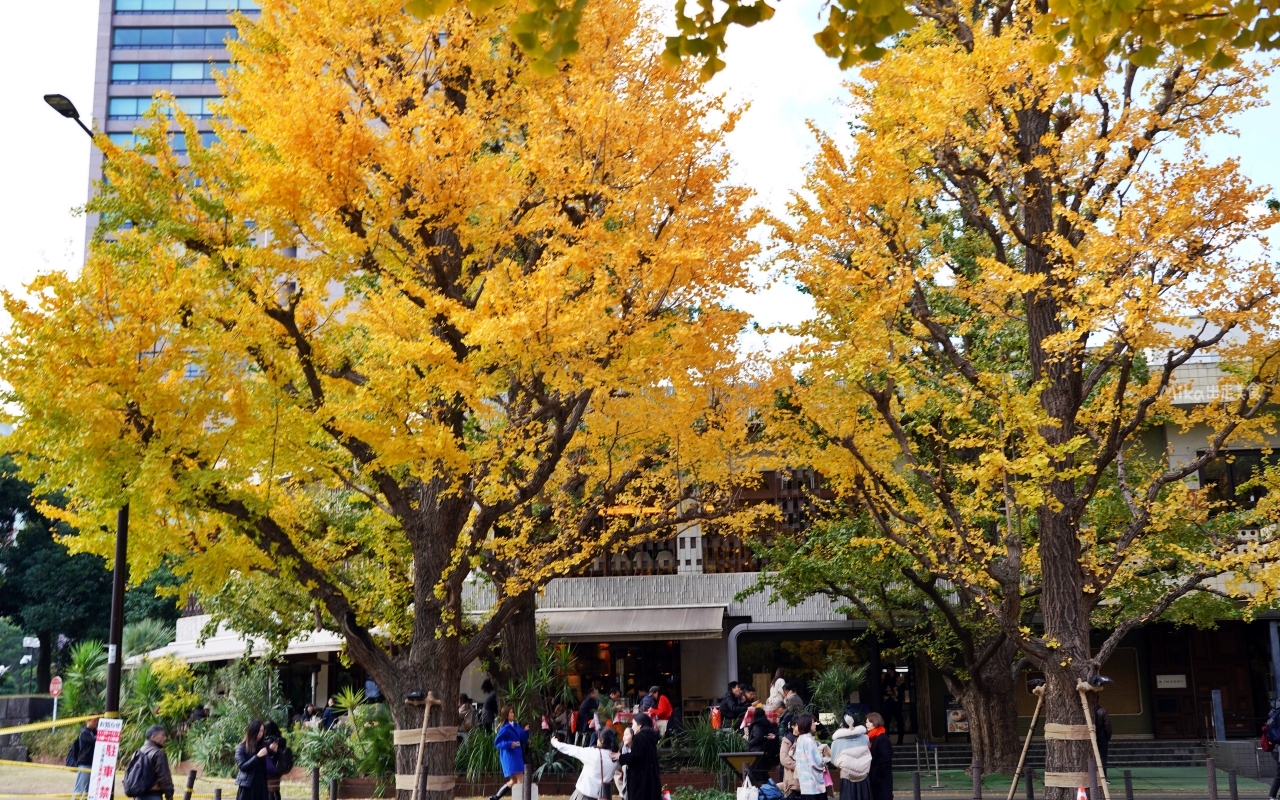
<point>746,791</point>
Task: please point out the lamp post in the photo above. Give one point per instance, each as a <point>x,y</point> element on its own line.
<point>67,109</point>
<point>119,575</point>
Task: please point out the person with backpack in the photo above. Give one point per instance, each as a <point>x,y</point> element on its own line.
<point>1271,734</point>
<point>81,755</point>
<point>279,758</point>
<point>251,763</point>
<point>147,777</point>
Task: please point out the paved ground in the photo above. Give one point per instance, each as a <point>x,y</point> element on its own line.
<point>1166,783</point>
<point>1156,783</point>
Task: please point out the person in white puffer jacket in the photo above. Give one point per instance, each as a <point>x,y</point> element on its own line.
<point>598,766</point>
<point>851,754</point>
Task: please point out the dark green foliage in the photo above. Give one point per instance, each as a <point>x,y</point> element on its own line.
<point>831,687</point>
<point>141,602</point>
<point>703,744</point>
<point>477,755</point>
<point>251,691</point>
<point>45,590</point>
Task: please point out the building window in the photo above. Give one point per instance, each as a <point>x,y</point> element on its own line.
<point>184,6</point>
<point>166,71</point>
<point>179,140</point>
<point>137,107</point>
<point>144,38</point>
<point>1224,479</point>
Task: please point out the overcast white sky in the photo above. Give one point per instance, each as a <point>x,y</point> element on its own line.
<point>44,158</point>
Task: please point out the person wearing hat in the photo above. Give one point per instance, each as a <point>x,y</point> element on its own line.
<point>851,754</point>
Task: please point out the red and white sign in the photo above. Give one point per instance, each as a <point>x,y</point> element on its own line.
<point>55,686</point>
<point>105,752</point>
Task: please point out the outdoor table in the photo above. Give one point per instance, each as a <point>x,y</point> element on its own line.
<point>739,762</point>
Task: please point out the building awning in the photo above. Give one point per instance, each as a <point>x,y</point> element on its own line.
<point>228,645</point>
<point>633,624</point>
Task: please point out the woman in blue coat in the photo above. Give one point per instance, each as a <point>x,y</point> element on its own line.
<point>511,741</point>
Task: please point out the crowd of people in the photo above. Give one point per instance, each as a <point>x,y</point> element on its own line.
<point>856,765</point>
<point>262,758</point>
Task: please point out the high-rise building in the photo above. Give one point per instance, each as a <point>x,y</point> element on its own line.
<point>148,46</point>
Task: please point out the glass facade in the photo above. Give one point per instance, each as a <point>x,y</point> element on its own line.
<point>183,6</point>
<point>179,140</point>
<point>137,107</point>
<point>126,72</point>
<point>170,38</point>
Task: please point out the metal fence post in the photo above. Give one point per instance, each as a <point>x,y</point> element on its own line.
<point>1095,790</point>
<point>217,794</point>
<point>1031,790</point>
<point>191,785</point>
<point>1128,785</point>
<point>1232,786</point>
<point>1211,769</point>
<point>333,789</point>
<point>977,779</point>
<point>915,785</point>
<point>315,784</point>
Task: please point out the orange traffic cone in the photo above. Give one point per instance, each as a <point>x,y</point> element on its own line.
<point>1082,793</point>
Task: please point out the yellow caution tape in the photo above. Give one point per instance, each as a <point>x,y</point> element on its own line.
<point>43,766</point>
<point>44,726</point>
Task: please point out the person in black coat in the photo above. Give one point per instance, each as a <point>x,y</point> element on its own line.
<point>644,779</point>
<point>81,755</point>
<point>251,763</point>
<point>1102,727</point>
<point>587,712</point>
<point>732,707</point>
<point>764,738</point>
<point>881,778</point>
<point>489,709</point>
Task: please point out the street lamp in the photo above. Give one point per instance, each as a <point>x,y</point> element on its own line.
<point>119,575</point>
<point>66,108</point>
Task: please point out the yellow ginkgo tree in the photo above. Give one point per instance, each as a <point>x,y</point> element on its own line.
<point>1013,268</point>
<point>860,30</point>
<point>418,308</point>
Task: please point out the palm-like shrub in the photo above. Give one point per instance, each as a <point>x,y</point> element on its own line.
<point>86,678</point>
<point>144,636</point>
<point>833,685</point>
<point>704,744</point>
<point>477,756</point>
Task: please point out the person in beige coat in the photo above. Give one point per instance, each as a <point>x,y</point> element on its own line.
<point>790,785</point>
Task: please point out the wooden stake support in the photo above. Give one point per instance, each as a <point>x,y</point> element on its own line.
<point>1022,759</point>
<point>1083,688</point>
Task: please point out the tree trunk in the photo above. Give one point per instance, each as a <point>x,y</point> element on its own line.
<point>44,662</point>
<point>442,678</point>
<point>990,701</point>
<point>520,639</point>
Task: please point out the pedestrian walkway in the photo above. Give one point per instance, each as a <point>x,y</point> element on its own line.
<point>1149,783</point>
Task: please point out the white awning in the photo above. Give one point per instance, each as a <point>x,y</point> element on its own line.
<point>228,645</point>
<point>633,624</point>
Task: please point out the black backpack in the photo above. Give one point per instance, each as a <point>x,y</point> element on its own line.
<point>138,776</point>
<point>73,755</point>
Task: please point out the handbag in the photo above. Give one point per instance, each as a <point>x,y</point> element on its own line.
<point>826,779</point>
<point>603,792</point>
<point>746,791</point>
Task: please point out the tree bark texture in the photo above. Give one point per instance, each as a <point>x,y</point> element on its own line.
<point>1066,614</point>
<point>520,639</point>
<point>990,702</point>
<point>44,663</point>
